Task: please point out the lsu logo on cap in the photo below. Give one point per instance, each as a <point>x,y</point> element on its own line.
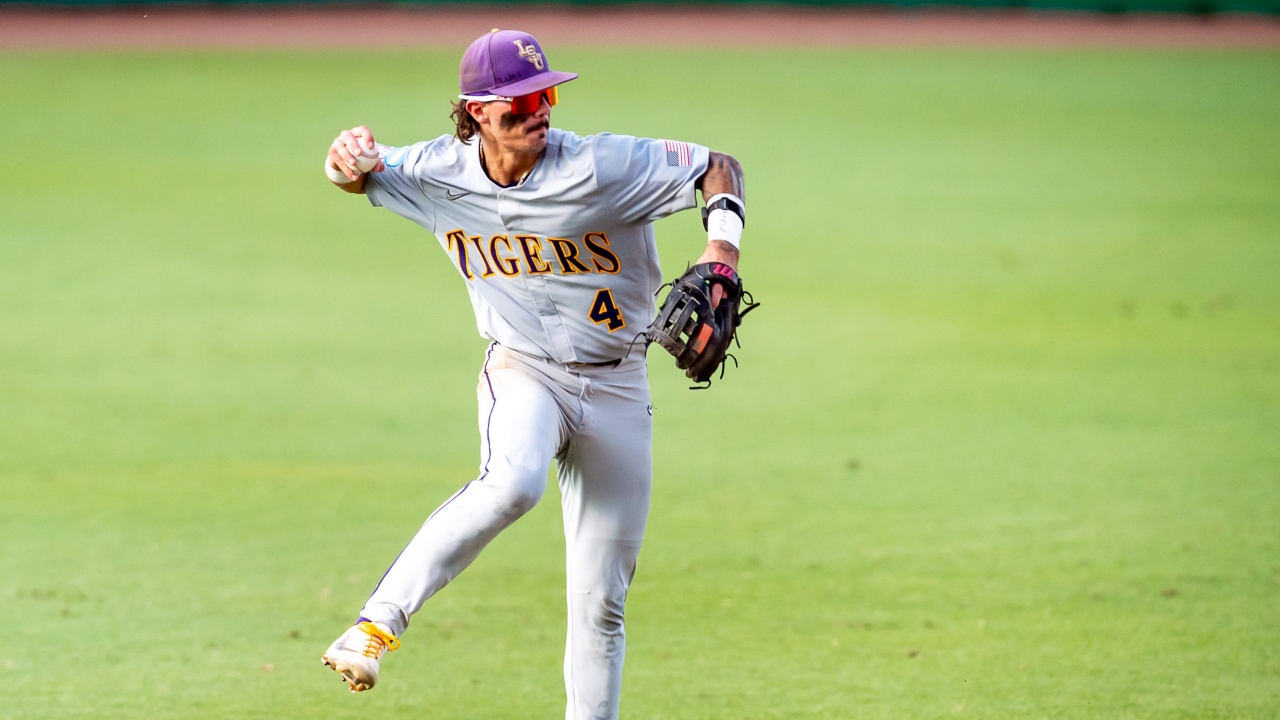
<point>530,53</point>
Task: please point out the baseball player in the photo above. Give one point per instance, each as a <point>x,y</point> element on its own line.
<point>552,235</point>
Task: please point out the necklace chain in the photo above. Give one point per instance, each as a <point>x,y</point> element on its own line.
<point>484,165</point>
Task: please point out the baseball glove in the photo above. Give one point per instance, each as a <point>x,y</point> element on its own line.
<point>691,330</point>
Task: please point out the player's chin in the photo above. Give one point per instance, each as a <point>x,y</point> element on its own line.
<point>536,138</point>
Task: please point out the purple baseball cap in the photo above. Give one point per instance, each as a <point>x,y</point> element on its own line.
<point>507,63</point>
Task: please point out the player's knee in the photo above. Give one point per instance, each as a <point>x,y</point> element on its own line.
<point>522,499</point>
<point>522,491</point>
<point>606,615</point>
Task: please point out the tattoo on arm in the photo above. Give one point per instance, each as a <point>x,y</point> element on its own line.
<point>724,175</point>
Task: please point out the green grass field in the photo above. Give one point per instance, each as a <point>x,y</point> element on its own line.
<point>1005,442</point>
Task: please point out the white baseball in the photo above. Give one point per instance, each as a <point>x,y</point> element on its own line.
<point>368,159</point>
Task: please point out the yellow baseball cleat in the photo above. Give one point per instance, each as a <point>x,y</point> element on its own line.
<point>355,654</point>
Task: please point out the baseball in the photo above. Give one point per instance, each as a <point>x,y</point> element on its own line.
<point>368,159</point>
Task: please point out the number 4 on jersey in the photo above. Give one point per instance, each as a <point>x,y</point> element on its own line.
<point>605,310</point>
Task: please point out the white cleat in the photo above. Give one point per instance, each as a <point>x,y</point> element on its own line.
<point>355,655</point>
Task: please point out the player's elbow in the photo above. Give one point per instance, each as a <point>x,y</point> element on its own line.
<point>724,174</point>
<point>726,162</point>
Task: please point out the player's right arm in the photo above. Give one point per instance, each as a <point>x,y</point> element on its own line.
<point>342,157</point>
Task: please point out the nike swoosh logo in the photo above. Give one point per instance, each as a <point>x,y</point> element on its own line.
<point>449,194</point>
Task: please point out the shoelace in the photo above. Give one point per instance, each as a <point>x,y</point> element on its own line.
<point>377,640</point>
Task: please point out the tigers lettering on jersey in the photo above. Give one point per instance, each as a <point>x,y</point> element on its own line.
<point>563,265</point>
<point>511,255</point>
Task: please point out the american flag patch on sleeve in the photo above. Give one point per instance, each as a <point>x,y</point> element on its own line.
<point>677,153</point>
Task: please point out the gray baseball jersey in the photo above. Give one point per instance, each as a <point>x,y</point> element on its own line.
<point>562,265</point>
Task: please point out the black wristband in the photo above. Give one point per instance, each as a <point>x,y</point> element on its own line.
<point>724,203</point>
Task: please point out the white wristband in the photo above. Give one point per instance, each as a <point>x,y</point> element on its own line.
<point>724,225</point>
<point>335,175</point>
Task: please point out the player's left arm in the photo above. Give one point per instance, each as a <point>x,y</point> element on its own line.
<point>723,177</point>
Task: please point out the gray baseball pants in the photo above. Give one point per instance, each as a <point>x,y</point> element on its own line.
<point>597,423</point>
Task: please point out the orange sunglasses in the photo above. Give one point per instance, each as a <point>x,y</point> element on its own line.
<point>522,104</point>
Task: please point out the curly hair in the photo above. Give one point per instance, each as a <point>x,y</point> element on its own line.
<point>465,126</point>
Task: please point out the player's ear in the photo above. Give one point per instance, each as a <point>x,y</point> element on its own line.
<point>478,111</point>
